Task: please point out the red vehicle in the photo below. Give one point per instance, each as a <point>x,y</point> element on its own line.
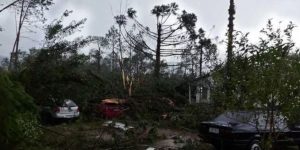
<point>112,108</point>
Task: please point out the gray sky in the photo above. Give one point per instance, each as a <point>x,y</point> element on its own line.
<point>251,16</point>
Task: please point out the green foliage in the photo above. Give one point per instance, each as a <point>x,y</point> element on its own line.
<point>57,31</point>
<point>17,114</point>
<point>164,10</point>
<point>265,76</point>
<point>193,115</point>
<point>148,108</point>
<point>272,72</point>
<point>57,70</point>
<point>164,87</point>
<point>163,37</point>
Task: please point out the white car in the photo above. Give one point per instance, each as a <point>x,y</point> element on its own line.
<point>66,109</point>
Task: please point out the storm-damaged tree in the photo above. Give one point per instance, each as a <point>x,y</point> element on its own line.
<point>168,33</point>
<point>136,63</point>
<point>121,21</point>
<point>126,52</point>
<point>27,10</point>
<point>54,70</point>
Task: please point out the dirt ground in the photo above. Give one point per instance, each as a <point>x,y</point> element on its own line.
<point>94,134</point>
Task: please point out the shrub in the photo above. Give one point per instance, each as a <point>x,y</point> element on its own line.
<point>17,114</point>
<point>193,115</point>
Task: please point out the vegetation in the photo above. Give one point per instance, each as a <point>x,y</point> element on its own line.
<point>255,76</point>
<point>18,114</point>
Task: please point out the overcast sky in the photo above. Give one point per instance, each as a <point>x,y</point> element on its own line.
<point>251,16</point>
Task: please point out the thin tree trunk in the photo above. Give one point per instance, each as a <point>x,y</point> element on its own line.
<point>131,77</point>
<point>228,72</point>
<point>14,54</point>
<point>157,59</point>
<point>130,88</point>
<point>121,60</point>
<point>99,58</point>
<point>190,94</point>
<point>199,88</point>
<point>192,66</point>
<point>113,58</point>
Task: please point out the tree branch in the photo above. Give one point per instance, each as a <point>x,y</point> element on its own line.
<point>9,5</point>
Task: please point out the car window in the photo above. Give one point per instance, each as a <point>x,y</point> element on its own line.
<point>259,120</point>
<point>243,117</point>
<point>280,122</point>
<point>69,103</point>
<point>263,122</point>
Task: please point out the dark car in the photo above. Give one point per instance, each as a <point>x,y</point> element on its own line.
<point>245,130</point>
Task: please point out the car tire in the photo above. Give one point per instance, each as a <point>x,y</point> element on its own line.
<point>255,145</point>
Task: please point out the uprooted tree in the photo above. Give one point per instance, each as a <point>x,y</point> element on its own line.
<point>55,69</point>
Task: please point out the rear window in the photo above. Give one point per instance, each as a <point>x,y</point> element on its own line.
<point>69,103</point>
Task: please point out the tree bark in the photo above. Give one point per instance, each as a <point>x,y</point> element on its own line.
<point>99,58</point>
<point>228,72</point>
<point>190,94</point>
<point>199,86</point>
<point>14,54</point>
<point>121,60</point>
<point>157,60</point>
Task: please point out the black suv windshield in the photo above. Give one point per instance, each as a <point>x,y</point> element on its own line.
<point>242,116</point>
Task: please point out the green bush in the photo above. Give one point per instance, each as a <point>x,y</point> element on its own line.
<point>17,114</point>
<point>193,115</point>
